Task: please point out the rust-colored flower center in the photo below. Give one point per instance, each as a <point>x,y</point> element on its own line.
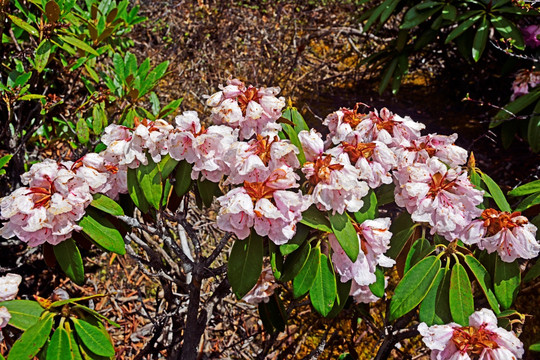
<point>423,146</point>
<point>438,184</point>
<point>261,147</point>
<point>323,169</point>
<point>384,123</point>
<point>363,241</point>
<point>258,190</point>
<point>353,117</point>
<point>42,195</point>
<point>496,221</point>
<point>251,94</point>
<point>361,150</point>
<point>473,341</point>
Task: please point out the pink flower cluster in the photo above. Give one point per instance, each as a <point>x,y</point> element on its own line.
<point>482,339</point>
<point>531,35</point>
<point>525,80</point>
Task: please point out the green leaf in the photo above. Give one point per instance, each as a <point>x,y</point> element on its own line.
<point>32,340</point>
<point>323,291</point>
<point>398,241</point>
<point>292,114</point>
<point>506,282</point>
<point>69,258</point>
<point>59,345</point>
<point>118,64</point>
<point>345,234</point>
<point>528,202</point>
<point>73,344</point>
<point>508,30</point>
<point>23,25</point>
<point>533,131</point>
<point>295,262</point>
<point>535,347</point>
<point>496,192</point>
<point>461,298</point>
<point>276,260</point>
<point>414,286</point>
<point>106,204</point>
<point>298,239</point>
<point>169,108</point>
<point>480,39</point>
<point>245,264</point>
<point>449,12</point>
<point>30,97</point>
<point>149,179</point>
<point>515,107</point>
<point>292,132</point>
<point>4,160</point>
<point>388,72</point>
<point>43,52</point>
<point>24,313</point>
<point>532,274</point>
<point>182,178</point>
<point>102,232</point>
<point>377,288</point>
<point>96,314</point>
<point>462,28</point>
<point>484,280</point>
<point>385,194</point>
<point>78,44</point>
<point>60,303</point>
<point>419,250</point>
<point>305,278</point>
<point>435,309</point>
<point>93,338</point>
<point>83,132</point>
<point>526,189</point>
<point>273,313</point>
<point>369,210</point>
<point>99,119</point>
<point>207,190</point>
<point>135,191</point>
<point>413,17</point>
<point>166,166</point>
<point>343,291</point>
<point>316,219</point>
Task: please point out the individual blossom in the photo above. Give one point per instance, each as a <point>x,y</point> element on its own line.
<point>432,145</point>
<point>482,339</point>
<point>440,196</point>
<point>251,110</point>
<point>341,123</point>
<point>253,161</point>
<point>49,208</point>
<point>102,176</point>
<point>180,141</point>
<point>374,160</point>
<point>531,35</point>
<point>333,182</point>
<point>373,240</point>
<point>525,80</point>
<point>264,288</point>
<point>9,286</point>
<point>266,206</point>
<point>511,235</point>
<point>152,135</point>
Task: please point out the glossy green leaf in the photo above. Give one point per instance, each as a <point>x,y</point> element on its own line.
<point>99,119</point>
<point>526,189</point>
<point>377,288</point>
<point>531,274</point>
<point>496,192</point>
<point>60,303</point>
<point>414,286</point>
<point>342,295</point>
<point>388,72</point>
<point>305,278</point>
<point>302,231</point>
<point>102,232</point>
<point>293,115</point>
<point>461,298</point>
<point>316,219</point>
<point>166,166</point>
<point>43,53</point>
<point>74,346</point>
<point>83,132</point>
<point>533,131</point>
<point>23,25</point>
<point>106,204</point>
<point>528,202</point>
<point>515,107</point>
<point>506,282</point>
<point>484,280</point>
<point>369,209</point>
<point>78,44</point>
<point>461,28</point>
<point>345,234</point>
<point>480,39</point>
<point>385,194</point>
<point>419,250</point>
<point>276,260</point>
<point>323,290</point>
<point>295,262</point>
<point>4,160</point>
<point>398,241</point>
<point>508,30</point>
<point>135,191</point>
<point>207,190</point>
<point>96,314</point>
<point>59,346</point>
<point>415,17</point>
<point>32,340</point>
<point>535,347</point>
<point>435,309</point>
<point>93,337</point>
<point>182,178</point>
<point>169,108</point>
<point>69,258</point>
<point>245,264</point>
<point>149,179</point>
<point>449,12</point>
<point>24,313</point>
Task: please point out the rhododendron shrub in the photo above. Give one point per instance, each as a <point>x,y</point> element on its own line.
<point>326,216</point>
